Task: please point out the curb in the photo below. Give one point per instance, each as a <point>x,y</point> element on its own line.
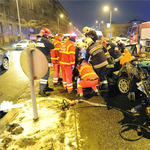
<point>8,118</point>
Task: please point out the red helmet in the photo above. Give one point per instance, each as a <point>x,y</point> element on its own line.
<point>45,31</point>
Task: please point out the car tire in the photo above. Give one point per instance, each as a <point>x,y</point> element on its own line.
<point>5,64</point>
<point>124,85</point>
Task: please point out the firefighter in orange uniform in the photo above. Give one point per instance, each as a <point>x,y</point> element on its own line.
<point>67,62</point>
<point>88,78</point>
<point>55,57</point>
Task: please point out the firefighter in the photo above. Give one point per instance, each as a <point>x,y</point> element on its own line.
<point>88,78</point>
<point>89,32</point>
<point>67,62</point>
<point>55,57</point>
<point>120,45</point>
<point>45,46</point>
<point>116,55</point>
<point>98,58</point>
<point>110,65</point>
<point>78,47</point>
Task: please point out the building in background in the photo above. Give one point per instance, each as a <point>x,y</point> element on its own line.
<point>120,29</point>
<point>34,14</point>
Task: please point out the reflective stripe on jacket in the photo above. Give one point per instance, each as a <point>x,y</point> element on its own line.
<point>55,51</point>
<point>114,52</point>
<point>67,54</point>
<point>86,71</point>
<point>96,51</point>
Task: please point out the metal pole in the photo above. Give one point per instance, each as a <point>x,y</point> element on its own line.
<point>31,78</point>
<point>18,18</point>
<point>99,26</point>
<point>58,24</point>
<point>110,22</point>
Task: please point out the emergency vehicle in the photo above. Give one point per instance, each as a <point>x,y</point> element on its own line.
<point>141,34</point>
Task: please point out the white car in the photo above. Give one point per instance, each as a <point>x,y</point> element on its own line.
<point>22,44</point>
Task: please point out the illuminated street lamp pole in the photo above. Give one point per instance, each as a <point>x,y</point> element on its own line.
<point>106,8</point>
<point>99,23</point>
<point>58,20</point>
<point>18,18</point>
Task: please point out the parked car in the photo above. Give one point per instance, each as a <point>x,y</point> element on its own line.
<point>22,44</point>
<point>4,58</point>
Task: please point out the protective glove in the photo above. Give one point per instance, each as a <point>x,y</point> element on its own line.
<point>78,80</point>
<point>72,67</point>
<point>50,65</point>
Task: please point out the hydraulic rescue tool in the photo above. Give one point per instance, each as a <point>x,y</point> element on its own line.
<point>66,104</point>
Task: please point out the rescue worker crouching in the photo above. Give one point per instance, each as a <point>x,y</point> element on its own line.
<point>88,78</point>
<point>55,56</point>
<point>89,32</point>
<point>99,60</point>
<point>67,62</point>
<point>45,46</point>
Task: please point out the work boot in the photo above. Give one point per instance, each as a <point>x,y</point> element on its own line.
<point>95,93</point>
<point>49,89</point>
<point>70,92</point>
<point>43,94</point>
<point>58,83</point>
<point>80,97</point>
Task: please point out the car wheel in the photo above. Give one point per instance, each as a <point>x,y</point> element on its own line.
<point>124,85</point>
<point>5,64</point>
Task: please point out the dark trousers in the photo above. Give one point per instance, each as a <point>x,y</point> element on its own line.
<point>44,81</point>
<point>101,73</point>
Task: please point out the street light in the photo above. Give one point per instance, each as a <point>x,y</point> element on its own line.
<point>99,23</point>
<point>106,8</point>
<point>61,16</point>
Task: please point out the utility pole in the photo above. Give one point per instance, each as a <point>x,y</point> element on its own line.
<point>18,19</point>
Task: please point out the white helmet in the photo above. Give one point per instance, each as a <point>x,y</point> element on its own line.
<point>117,39</point>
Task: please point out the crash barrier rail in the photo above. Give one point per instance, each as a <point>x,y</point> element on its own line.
<point>140,127</point>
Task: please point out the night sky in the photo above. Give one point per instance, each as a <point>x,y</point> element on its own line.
<point>86,12</point>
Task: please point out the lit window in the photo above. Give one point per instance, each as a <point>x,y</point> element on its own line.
<point>10,27</point>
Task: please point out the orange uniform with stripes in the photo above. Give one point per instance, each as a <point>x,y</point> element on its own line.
<point>67,54</point>
<point>66,61</point>
<point>86,71</point>
<point>55,51</point>
<point>88,77</point>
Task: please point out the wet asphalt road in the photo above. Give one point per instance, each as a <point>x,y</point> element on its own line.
<point>99,126</point>
<point>13,81</point>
